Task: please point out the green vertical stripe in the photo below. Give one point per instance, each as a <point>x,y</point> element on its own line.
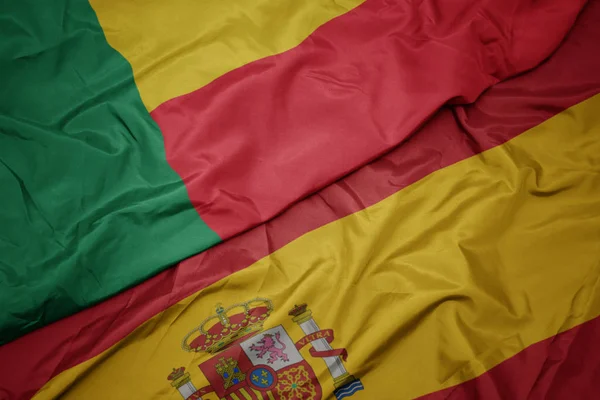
<point>88,204</point>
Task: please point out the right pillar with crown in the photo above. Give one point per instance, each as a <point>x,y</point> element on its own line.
<point>346,384</point>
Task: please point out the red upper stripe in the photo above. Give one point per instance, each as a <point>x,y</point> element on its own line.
<point>566,366</point>
<point>506,110</point>
<point>265,135</point>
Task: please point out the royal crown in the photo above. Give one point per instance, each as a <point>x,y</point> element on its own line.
<point>176,373</point>
<point>228,325</point>
<point>179,377</point>
<point>298,310</point>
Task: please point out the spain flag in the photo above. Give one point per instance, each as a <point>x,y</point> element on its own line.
<point>299,200</point>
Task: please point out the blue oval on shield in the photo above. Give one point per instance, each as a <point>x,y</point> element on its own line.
<point>261,378</point>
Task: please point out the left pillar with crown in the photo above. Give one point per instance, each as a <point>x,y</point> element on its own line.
<point>181,381</point>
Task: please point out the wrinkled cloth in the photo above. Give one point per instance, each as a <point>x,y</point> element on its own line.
<point>453,134</point>
<point>94,202</point>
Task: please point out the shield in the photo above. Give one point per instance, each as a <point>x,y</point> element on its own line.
<point>264,366</point>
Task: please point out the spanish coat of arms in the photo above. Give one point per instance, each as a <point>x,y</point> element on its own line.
<point>251,363</point>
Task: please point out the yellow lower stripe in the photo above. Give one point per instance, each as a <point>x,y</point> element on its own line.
<point>189,43</point>
<point>426,289</point>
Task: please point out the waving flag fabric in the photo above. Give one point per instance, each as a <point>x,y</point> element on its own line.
<point>458,311</point>
<point>100,205</point>
<point>462,263</point>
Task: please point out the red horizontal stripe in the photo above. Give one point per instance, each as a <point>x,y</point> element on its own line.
<point>566,366</point>
<point>265,135</point>
<point>453,134</point>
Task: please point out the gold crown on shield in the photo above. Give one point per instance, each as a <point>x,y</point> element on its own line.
<point>228,325</point>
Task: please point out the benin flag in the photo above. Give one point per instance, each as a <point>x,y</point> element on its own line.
<point>138,133</point>
<point>409,193</point>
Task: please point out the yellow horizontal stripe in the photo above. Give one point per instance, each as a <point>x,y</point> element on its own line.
<point>426,289</point>
<point>178,46</point>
